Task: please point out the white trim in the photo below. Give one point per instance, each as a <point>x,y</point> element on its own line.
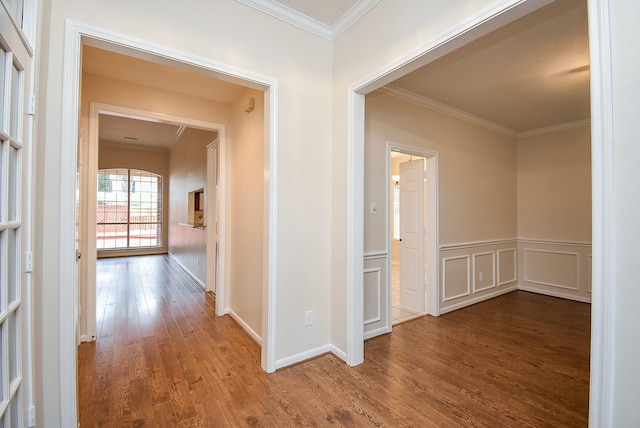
<point>604,217</point>
<point>373,255</point>
<point>351,16</point>
<point>300,20</point>
<point>554,242</point>
<point>251,332</point>
<point>355,232</point>
<point>376,332</point>
<point>551,284</point>
<point>291,16</point>
<point>444,278</point>
<point>67,281</point>
<point>515,266</point>
<point>472,28</point>
<point>478,299</point>
<point>554,293</point>
<point>307,355</point>
<point>378,271</point>
<point>422,101</point>
<point>433,224</point>
<point>74,32</point>
<point>471,244</point>
<point>493,267</point>
<point>339,353</point>
<point>90,171</point>
<point>187,271</point>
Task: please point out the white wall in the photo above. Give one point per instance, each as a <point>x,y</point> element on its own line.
<point>625,293</point>
<point>312,133</point>
<point>231,33</point>
<point>245,215</point>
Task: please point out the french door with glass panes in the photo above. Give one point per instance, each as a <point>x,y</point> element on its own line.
<point>16,124</point>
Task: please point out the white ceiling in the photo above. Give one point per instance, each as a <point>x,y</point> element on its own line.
<point>530,74</point>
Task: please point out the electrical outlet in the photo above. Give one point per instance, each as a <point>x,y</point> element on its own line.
<point>308,318</point>
<point>481,276</point>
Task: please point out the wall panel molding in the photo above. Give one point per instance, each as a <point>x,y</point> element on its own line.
<point>504,281</point>
<point>450,260</point>
<point>375,289</point>
<point>476,273</point>
<point>472,244</point>
<point>547,261</point>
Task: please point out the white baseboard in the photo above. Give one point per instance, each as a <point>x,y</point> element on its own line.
<point>311,353</point>
<point>375,332</point>
<point>255,336</point>
<point>83,338</point>
<point>202,284</point>
<point>479,299</point>
<point>555,294</point>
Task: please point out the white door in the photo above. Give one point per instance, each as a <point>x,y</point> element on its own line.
<point>412,235</point>
<point>15,211</point>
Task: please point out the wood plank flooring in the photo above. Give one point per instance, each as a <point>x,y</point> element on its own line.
<point>163,359</point>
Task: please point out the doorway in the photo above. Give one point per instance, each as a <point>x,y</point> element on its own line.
<point>413,239</point>
<point>408,263</point>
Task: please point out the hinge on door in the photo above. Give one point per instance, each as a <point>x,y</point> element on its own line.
<point>31,109</point>
<point>31,416</point>
<point>28,262</point>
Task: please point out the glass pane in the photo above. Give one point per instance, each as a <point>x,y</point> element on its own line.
<point>12,268</point>
<point>3,61</point>
<point>16,9</point>
<point>13,328</point>
<point>111,236</point>
<point>15,415</point>
<point>14,177</point>
<point>15,110</point>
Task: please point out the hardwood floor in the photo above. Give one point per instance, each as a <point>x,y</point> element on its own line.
<point>163,359</point>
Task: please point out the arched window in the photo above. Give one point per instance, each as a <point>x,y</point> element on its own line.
<point>129,213</point>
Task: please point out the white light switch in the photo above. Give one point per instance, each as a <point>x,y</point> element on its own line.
<point>374,208</point>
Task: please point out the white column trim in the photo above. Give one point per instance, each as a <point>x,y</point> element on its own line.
<point>604,217</point>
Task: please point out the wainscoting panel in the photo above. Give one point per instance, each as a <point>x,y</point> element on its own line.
<point>507,266</point>
<point>372,287</point>
<point>455,277</point>
<point>376,294</point>
<point>484,271</point>
<point>476,271</point>
<point>555,268</point>
<point>552,268</point>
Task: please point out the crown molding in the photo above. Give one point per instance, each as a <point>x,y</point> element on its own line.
<point>555,128</point>
<point>309,24</point>
<point>351,16</point>
<point>411,97</point>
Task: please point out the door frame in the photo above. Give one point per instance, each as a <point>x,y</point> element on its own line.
<point>75,34</point>
<point>433,225</point>
<point>603,179</point>
<point>476,26</point>
<point>88,206</point>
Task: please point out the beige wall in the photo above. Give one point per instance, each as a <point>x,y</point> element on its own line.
<point>113,156</point>
<point>476,171</point>
<point>554,213</point>
<point>554,186</point>
<point>245,214</point>
<point>188,172</point>
<point>477,201</point>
